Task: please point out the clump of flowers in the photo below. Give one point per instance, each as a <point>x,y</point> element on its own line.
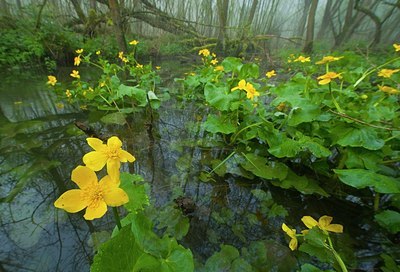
<point>94,195</point>
<point>251,92</point>
<point>270,74</point>
<point>52,80</point>
<point>321,230</point>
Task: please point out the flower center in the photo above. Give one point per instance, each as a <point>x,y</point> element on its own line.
<point>112,153</point>
<point>95,195</point>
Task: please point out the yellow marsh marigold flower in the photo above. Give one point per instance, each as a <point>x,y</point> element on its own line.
<point>241,85</point>
<point>204,52</point>
<point>328,59</point>
<point>133,42</point>
<point>93,195</point>
<point>158,67</point>
<point>292,234</point>
<point>79,51</point>
<point>251,91</point>
<point>219,68</point>
<point>324,223</point>
<point>396,47</point>
<point>328,77</point>
<point>98,52</point>
<point>387,72</point>
<point>388,90</point>
<point>270,74</point>
<point>140,66</point>
<point>302,59</point>
<point>77,60</point>
<point>111,154</point>
<point>75,74</point>
<point>68,93</point>
<point>120,54</point>
<point>52,80</point>
<point>214,61</point>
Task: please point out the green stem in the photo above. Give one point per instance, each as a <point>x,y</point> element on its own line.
<point>334,100</point>
<point>243,129</point>
<point>224,161</point>
<point>373,70</point>
<point>116,217</point>
<point>376,201</point>
<point>337,256</point>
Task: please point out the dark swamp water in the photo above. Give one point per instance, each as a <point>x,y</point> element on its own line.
<point>40,145</point>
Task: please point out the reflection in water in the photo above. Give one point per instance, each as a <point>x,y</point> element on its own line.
<point>38,134</point>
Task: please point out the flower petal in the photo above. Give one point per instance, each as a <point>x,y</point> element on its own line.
<point>115,197</point>
<point>293,244</point>
<point>95,143</point>
<point>83,176</point>
<point>72,201</point>
<point>125,156</point>
<point>335,228</point>
<point>95,160</point>
<point>113,166</point>
<point>114,143</point>
<point>96,210</point>
<point>324,221</point>
<point>309,221</point>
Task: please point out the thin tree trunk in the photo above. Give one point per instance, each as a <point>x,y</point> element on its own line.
<point>308,46</point>
<point>79,11</point>
<point>303,20</point>
<point>39,17</point>
<point>223,16</point>
<point>325,20</point>
<point>119,32</point>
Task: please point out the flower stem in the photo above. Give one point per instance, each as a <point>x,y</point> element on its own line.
<point>337,256</point>
<point>116,217</point>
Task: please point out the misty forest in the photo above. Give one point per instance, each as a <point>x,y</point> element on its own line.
<point>200,135</point>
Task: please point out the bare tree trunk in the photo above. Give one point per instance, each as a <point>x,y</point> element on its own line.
<point>223,16</point>
<point>79,11</point>
<point>119,32</point>
<point>39,17</point>
<point>308,46</point>
<point>303,20</point>
<point>325,20</point>
<point>4,8</point>
<point>252,12</point>
<point>375,19</point>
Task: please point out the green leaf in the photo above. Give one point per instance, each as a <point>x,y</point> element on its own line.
<point>175,223</point>
<point>179,259</point>
<point>303,113</point>
<point>224,260</point>
<point>217,96</point>
<point>215,124</point>
<point>358,137</point>
<point>139,95</point>
<point>136,192</point>
<point>310,268</point>
<point>232,64</point>
<point>361,178</point>
<point>249,70</point>
<point>261,167</point>
<point>155,102</point>
<point>123,248</point>
<point>114,118</point>
<point>390,220</point>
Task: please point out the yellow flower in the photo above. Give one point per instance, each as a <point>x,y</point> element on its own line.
<point>93,195</point>
<point>241,85</point>
<point>111,154</point>
<point>270,74</point>
<point>77,60</point>
<point>251,91</point>
<point>124,59</point>
<point>133,42</point>
<point>219,68</point>
<point>388,90</point>
<point>396,47</point>
<point>98,52</point>
<point>52,80</point>
<point>120,55</point>
<point>68,93</point>
<point>387,72</point>
<point>213,55</point>
<point>328,77</point>
<point>214,61</point>
<point>292,234</point>
<point>302,59</point>
<point>75,74</point>
<point>158,67</point>
<point>204,52</point>
<point>328,59</point>
<point>102,84</point>
<point>59,106</point>
<point>324,223</point>
<point>79,51</point>
<point>140,66</point>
